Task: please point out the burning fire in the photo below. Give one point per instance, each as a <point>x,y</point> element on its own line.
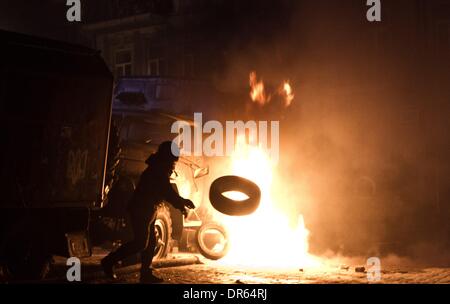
<point>264,238</point>
<point>268,238</point>
<point>258,93</point>
<point>287,91</point>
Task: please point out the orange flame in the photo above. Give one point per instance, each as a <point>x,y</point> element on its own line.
<point>265,238</point>
<point>257,93</point>
<point>288,94</point>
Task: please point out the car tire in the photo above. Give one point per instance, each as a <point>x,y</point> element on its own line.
<point>23,255</point>
<point>208,250</point>
<point>232,207</point>
<point>163,231</point>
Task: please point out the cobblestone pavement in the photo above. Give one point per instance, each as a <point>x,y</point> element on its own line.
<point>202,271</point>
<point>218,274</point>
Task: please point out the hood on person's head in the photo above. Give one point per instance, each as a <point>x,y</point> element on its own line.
<point>168,150</point>
<point>166,156</point>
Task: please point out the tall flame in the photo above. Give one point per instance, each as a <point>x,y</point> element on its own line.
<point>288,94</point>
<point>264,238</point>
<point>257,93</point>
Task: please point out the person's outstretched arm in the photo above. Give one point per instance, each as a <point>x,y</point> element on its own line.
<point>175,199</point>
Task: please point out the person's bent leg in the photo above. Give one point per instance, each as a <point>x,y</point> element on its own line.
<point>148,253</point>
<point>126,250</point>
<point>139,243</point>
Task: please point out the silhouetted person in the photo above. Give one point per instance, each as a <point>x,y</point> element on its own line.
<point>152,189</point>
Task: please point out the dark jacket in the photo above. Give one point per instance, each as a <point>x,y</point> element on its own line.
<point>153,188</point>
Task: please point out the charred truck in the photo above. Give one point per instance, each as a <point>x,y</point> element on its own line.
<point>144,110</point>
<point>56,110</point>
<point>67,168</point>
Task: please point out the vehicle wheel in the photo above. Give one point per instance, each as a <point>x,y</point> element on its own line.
<point>24,258</point>
<point>212,241</point>
<point>31,268</point>
<point>163,230</point>
<point>233,207</point>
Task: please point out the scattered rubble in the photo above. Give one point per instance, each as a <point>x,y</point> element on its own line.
<point>360,269</point>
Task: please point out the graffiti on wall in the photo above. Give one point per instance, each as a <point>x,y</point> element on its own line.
<point>76,165</point>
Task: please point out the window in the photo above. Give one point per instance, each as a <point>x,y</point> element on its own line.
<point>157,67</point>
<point>123,63</point>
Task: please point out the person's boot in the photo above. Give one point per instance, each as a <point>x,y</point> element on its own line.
<point>147,277</point>
<point>108,268</point>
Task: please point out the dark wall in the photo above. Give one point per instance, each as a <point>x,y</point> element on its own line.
<point>44,18</point>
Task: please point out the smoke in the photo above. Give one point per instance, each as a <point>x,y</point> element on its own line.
<point>364,144</point>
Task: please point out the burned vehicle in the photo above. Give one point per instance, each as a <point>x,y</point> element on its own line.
<point>67,168</point>
<point>144,110</point>
<point>55,103</point>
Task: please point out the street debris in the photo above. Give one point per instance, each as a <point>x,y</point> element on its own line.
<point>360,269</point>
